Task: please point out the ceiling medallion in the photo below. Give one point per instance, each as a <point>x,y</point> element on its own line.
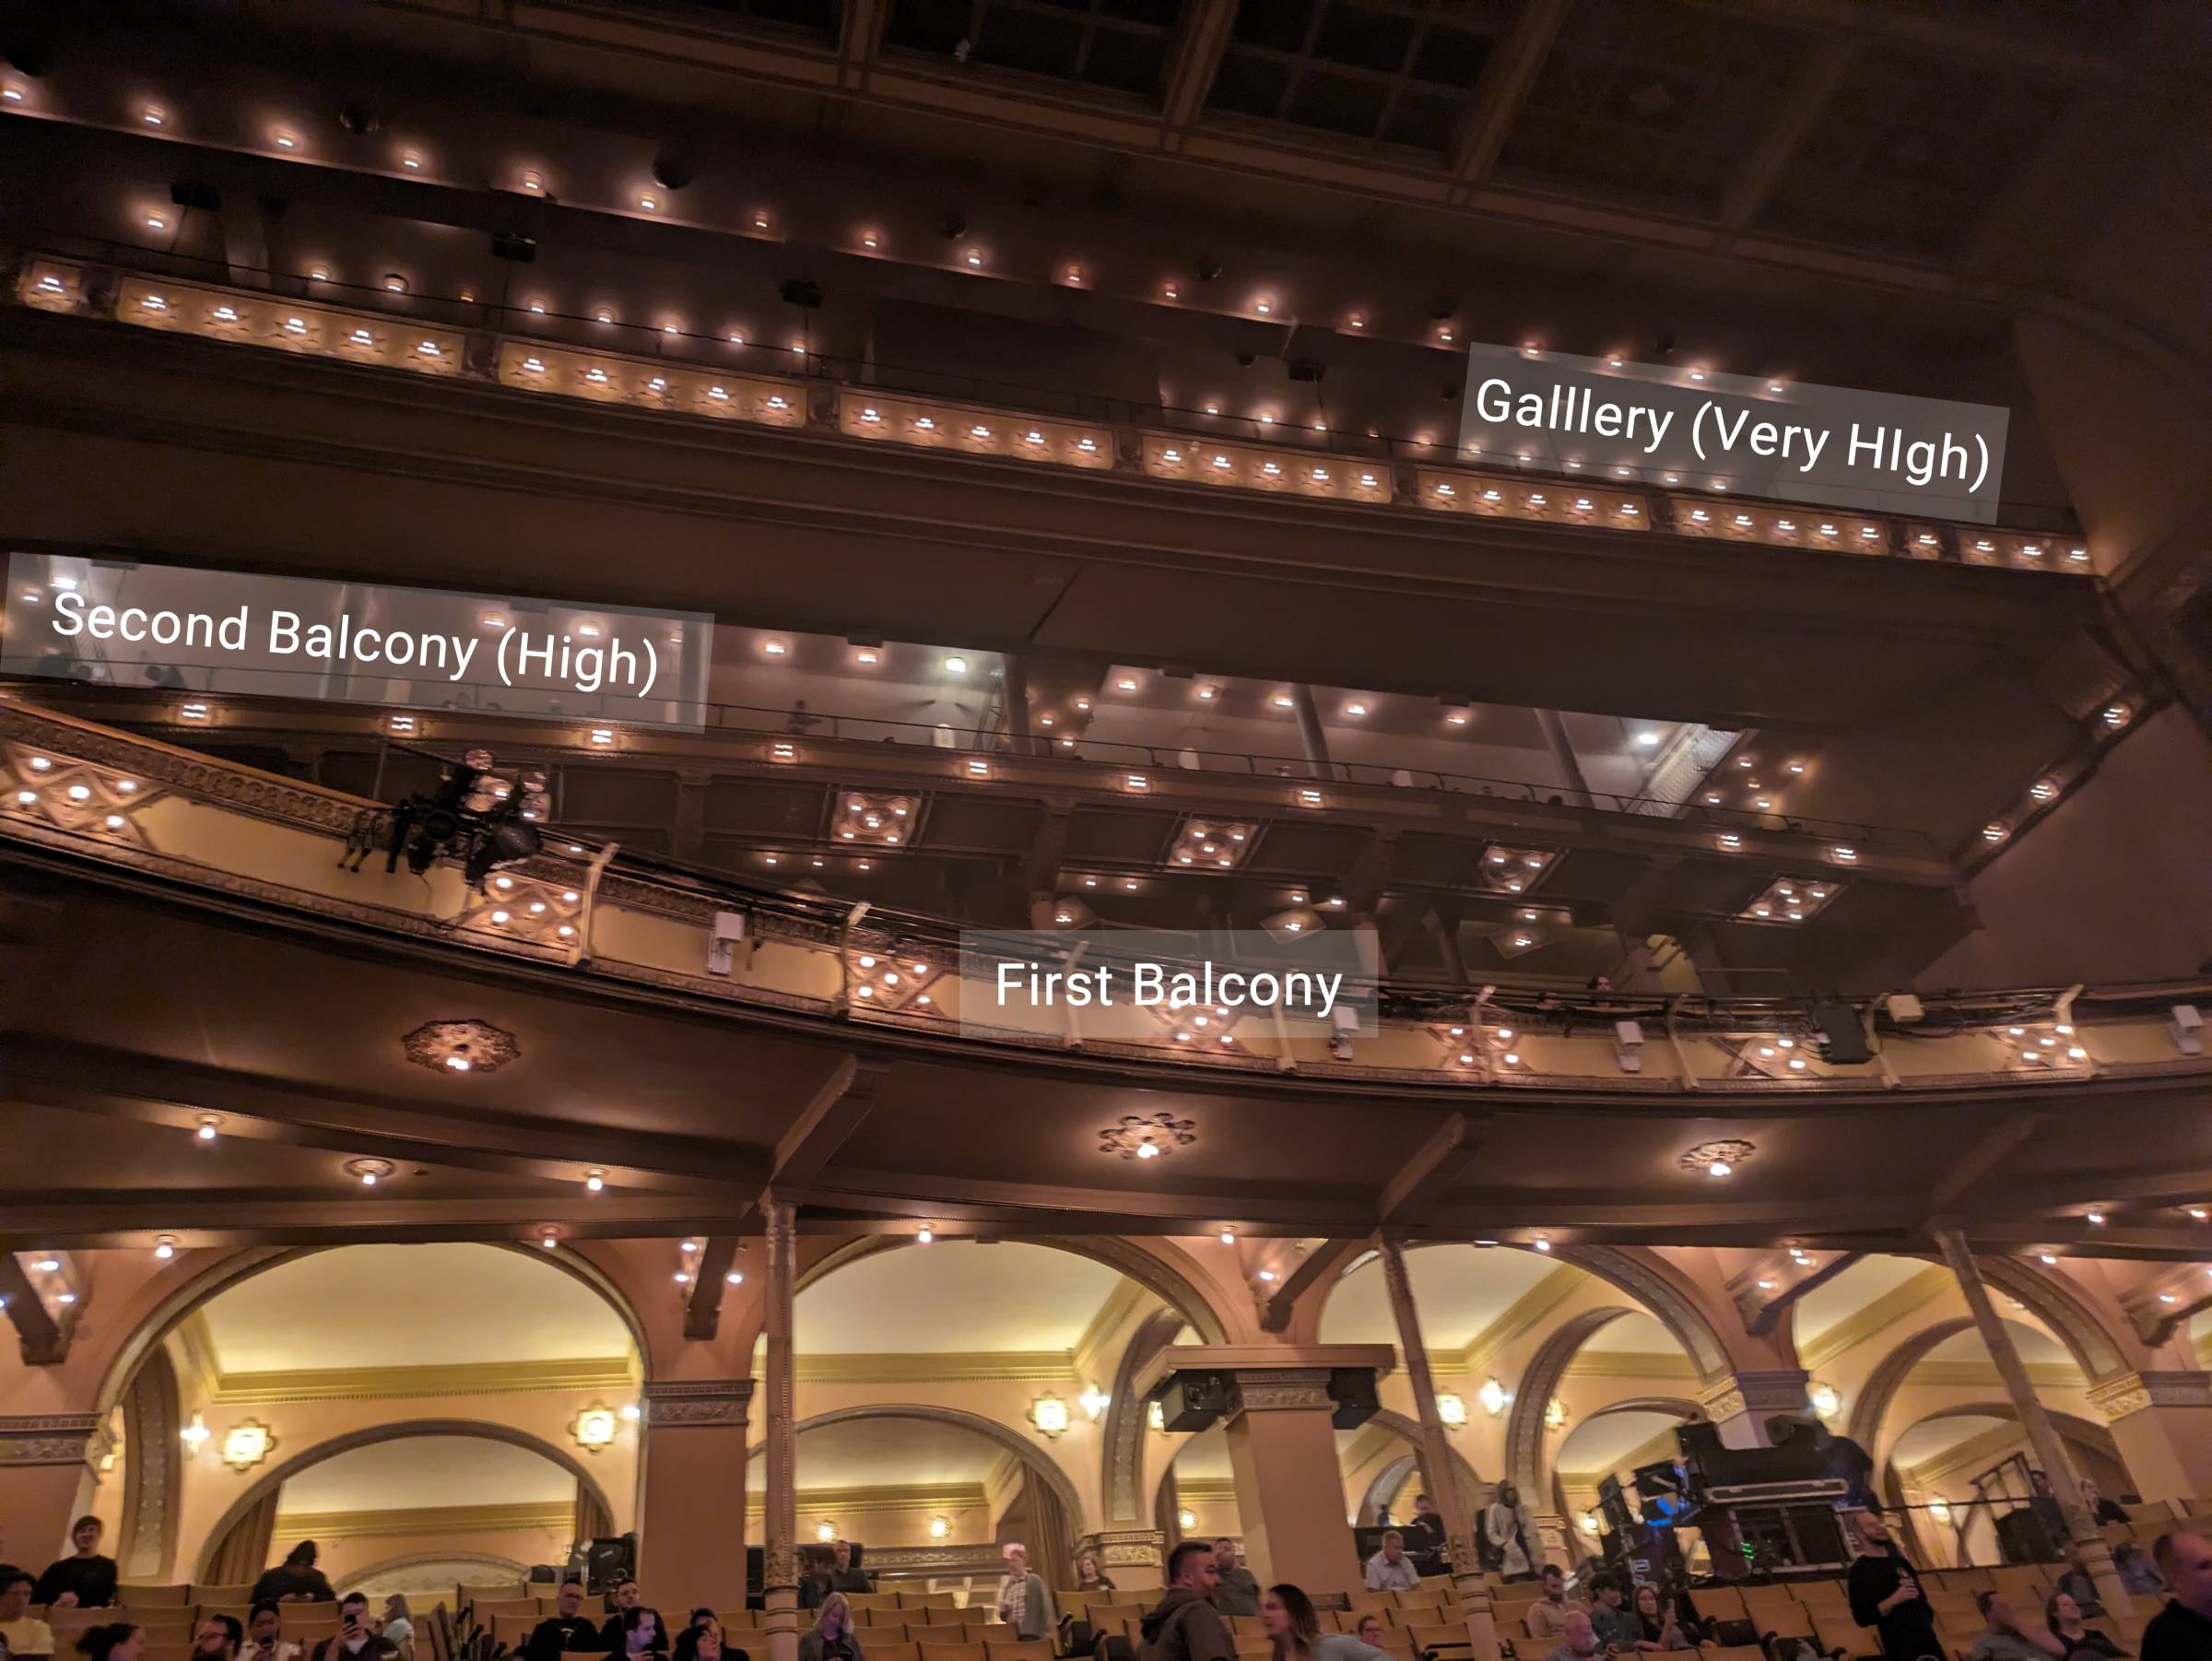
<point>459,1046</point>
<point>1148,1136</point>
<point>1726,1155</point>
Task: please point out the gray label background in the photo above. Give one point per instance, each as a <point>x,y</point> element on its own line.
<point>661,658</point>
<point>1978,429</point>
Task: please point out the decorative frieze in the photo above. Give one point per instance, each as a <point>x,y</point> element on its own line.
<point>1126,1548</point>
<point>52,1439</point>
<point>1776,1390</point>
<point>2116,1398</point>
<point>1278,1389</point>
<point>689,1402</point>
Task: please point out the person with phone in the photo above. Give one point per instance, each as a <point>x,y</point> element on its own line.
<point>357,1638</point>
<point>264,1635</point>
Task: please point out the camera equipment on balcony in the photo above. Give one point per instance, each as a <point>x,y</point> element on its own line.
<point>475,816</point>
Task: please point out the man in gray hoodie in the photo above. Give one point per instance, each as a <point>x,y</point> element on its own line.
<point>1185,1626</point>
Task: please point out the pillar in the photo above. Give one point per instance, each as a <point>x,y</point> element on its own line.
<point>1438,1467</point>
<point>1742,1404</point>
<point>1282,1450</point>
<point>694,1457</point>
<point>1310,733</point>
<point>2066,1481</point>
<point>2162,1422</point>
<point>779,1521</point>
<point>48,1463</point>
<point>1563,756</point>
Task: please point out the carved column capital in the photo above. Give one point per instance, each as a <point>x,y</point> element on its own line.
<point>1126,1548</point>
<point>691,1402</point>
<point>1276,1389</point>
<point>1772,1390</point>
<point>2129,1393</point>
<point>52,1439</point>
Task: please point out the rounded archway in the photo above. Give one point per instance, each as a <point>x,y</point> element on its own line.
<point>1384,1488</point>
<point>1613,1441</point>
<point>1970,1459</point>
<point>361,1477</point>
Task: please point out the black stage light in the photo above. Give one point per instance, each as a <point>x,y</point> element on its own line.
<point>474,816</point>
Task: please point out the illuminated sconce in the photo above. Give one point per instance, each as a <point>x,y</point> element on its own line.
<point>1451,1409</point>
<point>194,1435</point>
<point>1049,1414</point>
<point>247,1443</point>
<point>939,1529</point>
<point>1155,1417</point>
<point>1494,1397</point>
<point>1588,1523</point>
<point>1094,1401</point>
<point>594,1427</point>
<point>1555,1414</point>
<point>1186,1519</point>
<point>1826,1400</point>
<point>825,1532</point>
<point>1940,1510</point>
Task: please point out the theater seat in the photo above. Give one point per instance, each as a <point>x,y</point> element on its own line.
<point>140,1595</point>
<point>1016,1649</point>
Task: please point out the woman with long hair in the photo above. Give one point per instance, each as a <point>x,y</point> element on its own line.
<point>1089,1577</point>
<point>1287,1620</point>
<point>2064,1616</point>
<point>1656,1626</point>
<point>399,1625</point>
<point>704,1641</point>
<point>118,1641</point>
<point>832,1638</point>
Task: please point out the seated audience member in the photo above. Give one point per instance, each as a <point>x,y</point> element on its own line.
<point>357,1638</point>
<point>567,1630</point>
<point>119,1641</point>
<point>399,1626</point>
<point>627,1630</point>
<point>1024,1601</point>
<point>85,1581</point>
<point>1237,1592</point>
<point>1548,1615</point>
<point>1287,1620</point>
<point>23,1635</point>
<point>217,1639</point>
<point>840,1575</point>
<point>264,1635</point>
<point>703,1616</point>
<point>1184,1625</point>
<point>2137,1572</point>
<point>2075,1583</point>
<point>1089,1576</point>
<point>2101,1510</point>
<point>2064,1617</point>
<point>1425,1531</point>
<point>1654,1624</point>
<point>2183,1630</point>
<point>2002,1637</point>
<point>1578,1638</point>
<point>705,1643</point>
<point>1610,1615</point>
<point>832,1638</point>
<point>1390,1570</point>
<point>296,1577</point>
<point>1370,1631</point>
<point>1510,1528</point>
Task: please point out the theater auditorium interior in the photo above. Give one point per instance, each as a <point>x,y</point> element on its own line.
<point>575,566</point>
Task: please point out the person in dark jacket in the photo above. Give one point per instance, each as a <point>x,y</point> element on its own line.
<point>568,1630</point>
<point>1886,1594</point>
<point>86,1581</point>
<point>294,1577</point>
<point>1238,1591</point>
<point>2183,1630</point>
<point>2063,1616</point>
<point>621,1633</point>
<point>1184,1625</point>
<point>838,1575</point>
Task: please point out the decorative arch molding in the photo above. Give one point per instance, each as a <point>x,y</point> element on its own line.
<point>1654,1284</point>
<point>1013,1442</point>
<point>1386,1482</point>
<point>1524,1427</point>
<point>1393,1474</point>
<point>2051,1300</point>
<point>199,1283</point>
<point>1888,1376</point>
<point>410,1429</point>
<point>483,1569</point>
<point>1123,1446</point>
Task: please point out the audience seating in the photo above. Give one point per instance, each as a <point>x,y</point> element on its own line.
<point>141,1595</point>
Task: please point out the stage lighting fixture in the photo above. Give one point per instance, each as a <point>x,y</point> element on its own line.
<point>474,816</point>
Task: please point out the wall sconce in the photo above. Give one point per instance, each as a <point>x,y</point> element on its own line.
<point>1094,1401</point>
<point>1825,1400</point>
<point>938,1529</point>
<point>194,1435</point>
<point>594,1427</point>
<point>247,1443</point>
<point>1555,1414</point>
<point>1588,1523</point>
<point>1156,1417</point>
<point>1940,1510</point>
<point>1049,1414</point>
<point>1451,1409</point>
<point>1186,1519</point>
<point>1494,1397</point>
<point>825,1532</point>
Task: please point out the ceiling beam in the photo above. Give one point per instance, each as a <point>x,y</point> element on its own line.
<point>1325,1259</point>
<point>838,1106</point>
<point>1771,154</point>
<point>1433,1168</point>
<point>1197,59</point>
<point>1503,88</point>
<point>702,1310</point>
<point>109,1217</point>
<point>1766,1291</point>
<point>1988,1151</point>
<point>43,1339</point>
<point>1955,34</point>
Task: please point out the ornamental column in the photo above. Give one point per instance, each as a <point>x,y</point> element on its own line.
<point>1438,1465</point>
<point>1741,1404</point>
<point>694,1457</point>
<point>2066,1481</point>
<point>780,1565</point>
<point>2162,1422</point>
<point>1282,1450</point>
<point>47,1464</point>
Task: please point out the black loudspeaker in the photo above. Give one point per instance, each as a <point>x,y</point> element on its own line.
<point>1194,1401</point>
<point>1353,1389</point>
<point>1846,1039</point>
<point>608,1562</point>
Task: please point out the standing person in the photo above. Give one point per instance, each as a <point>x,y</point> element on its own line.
<point>1547,1616</point>
<point>1184,1625</point>
<point>83,1581</point>
<point>297,1576</point>
<point>1886,1594</point>
<point>1425,1531</point>
<point>22,1635</point>
<point>1390,1570</point>
<point>2063,1615</point>
<point>2183,1630</point>
<point>833,1637</point>
<point>1510,1528</point>
<point>620,1633</point>
<point>1237,1592</point>
<point>1025,1603</point>
<point>567,1629</point>
<point>357,1639</point>
<point>217,1639</point>
<point>264,1635</point>
<point>1287,1620</point>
